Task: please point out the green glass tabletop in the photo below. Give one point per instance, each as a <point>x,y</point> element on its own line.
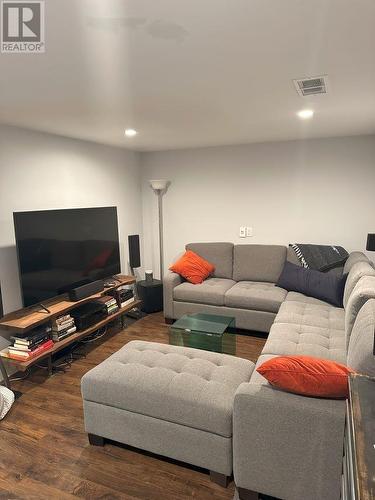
<point>204,323</point>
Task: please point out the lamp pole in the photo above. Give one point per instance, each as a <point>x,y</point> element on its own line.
<point>161,236</point>
<point>160,188</point>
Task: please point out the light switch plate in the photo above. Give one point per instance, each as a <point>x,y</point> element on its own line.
<point>249,232</point>
<point>243,232</point>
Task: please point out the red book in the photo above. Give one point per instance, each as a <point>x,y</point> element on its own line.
<point>28,355</point>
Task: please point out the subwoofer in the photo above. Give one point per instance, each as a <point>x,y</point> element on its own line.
<point>151,295</point>
<point>134,252</point>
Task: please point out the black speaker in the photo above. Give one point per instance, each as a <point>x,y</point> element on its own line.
<point>81,292</point>
<point>134,253</point>
<point>151,295</point>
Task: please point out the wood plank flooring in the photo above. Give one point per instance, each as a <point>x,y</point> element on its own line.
<point>44,451</point>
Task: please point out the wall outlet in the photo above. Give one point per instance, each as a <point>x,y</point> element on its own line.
<point>249,232</point>
<point>243,232</point>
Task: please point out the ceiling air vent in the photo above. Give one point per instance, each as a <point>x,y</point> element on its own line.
<point>311,86</point>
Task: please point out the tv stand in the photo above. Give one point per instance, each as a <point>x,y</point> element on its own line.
<point>20,322</point>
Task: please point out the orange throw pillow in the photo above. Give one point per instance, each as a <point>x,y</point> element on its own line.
<point>193,267</point>
<point>307,375</point>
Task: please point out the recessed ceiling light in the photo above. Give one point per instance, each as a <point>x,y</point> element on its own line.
<point>130,132</point>
<point>304,114</point>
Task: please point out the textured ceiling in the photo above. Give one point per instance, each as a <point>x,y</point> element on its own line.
<point>193,73</point>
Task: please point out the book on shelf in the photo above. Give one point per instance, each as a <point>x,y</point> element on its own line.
<point>63,326</point>
<point>61,319</point>
<point>124,287</point>
<point>113,311</point>
<point>29,347</point>
<point>109,302</point>
<point>106,299</point>
<point>33,336</point>
<point>25,356</point>
<point>57,336</point>
<point>127,302</point>
<point>124,295</point>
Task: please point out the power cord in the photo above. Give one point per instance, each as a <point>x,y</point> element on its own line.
<point>98,334</point>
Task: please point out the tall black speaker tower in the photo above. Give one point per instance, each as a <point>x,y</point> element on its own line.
<point>134,252</point>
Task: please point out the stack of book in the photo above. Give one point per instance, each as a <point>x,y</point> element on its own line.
<point>62,327</point>
<point>109,303</point>
<point>124,295</point>
<point>35,343</point>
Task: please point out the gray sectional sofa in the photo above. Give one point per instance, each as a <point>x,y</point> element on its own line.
<point>284,445</point>
<point>216,411</point>
<point>243,284</point>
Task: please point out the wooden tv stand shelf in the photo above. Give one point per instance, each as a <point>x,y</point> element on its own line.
<point>20,322</point>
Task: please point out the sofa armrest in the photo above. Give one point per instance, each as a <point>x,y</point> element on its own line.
<point>170,281</point>
<point>286,445</point>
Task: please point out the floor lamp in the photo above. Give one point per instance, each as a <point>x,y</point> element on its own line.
<point>160,188</point>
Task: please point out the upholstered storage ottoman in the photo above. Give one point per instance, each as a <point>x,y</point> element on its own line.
<point>170,400</point>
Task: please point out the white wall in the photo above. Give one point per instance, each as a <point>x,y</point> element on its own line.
<point>42,171</point>
<point>318,191</point>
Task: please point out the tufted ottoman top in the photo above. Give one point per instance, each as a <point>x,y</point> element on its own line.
<point>182,385</point>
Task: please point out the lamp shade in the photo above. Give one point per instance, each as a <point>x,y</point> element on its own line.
<point>370,242</point>
<point>159,184</point>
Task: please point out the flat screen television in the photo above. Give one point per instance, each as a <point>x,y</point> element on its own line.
<point>59,250</point>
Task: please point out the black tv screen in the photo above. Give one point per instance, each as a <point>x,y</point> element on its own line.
<point>59,250</point>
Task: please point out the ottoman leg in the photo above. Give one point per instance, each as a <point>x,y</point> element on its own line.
<point>245,494</point>
<point>96,440</point>
<point>220,479</point>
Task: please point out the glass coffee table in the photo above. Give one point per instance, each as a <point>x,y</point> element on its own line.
<point>204,331</point>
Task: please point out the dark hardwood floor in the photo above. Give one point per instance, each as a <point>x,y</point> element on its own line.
<point>45,454</point>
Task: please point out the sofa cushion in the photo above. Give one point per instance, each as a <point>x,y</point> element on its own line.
<point>301,297</point>
<point>190,387</point>
<point>361,344</point>
<point>363,291</point>
<point>258,262</point>
<point>357,271</point>
<point>211,291</point>
<point>259,296</point>
<point>353,258</point>
<point>298,339</point>
<point>301,313</point>
<point>323,286</point>
<point>219,254</point>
